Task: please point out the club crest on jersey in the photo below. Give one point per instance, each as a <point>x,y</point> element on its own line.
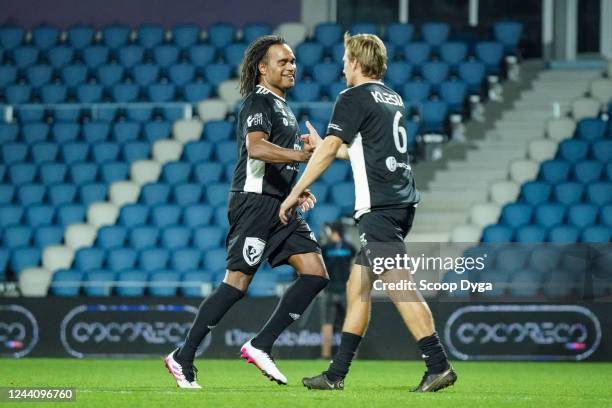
<point>255,119</point>
<point>253,250</point>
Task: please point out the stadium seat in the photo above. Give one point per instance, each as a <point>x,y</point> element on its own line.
<point>35,132</point>
<point>105,151</point>
<point>530,234</point>
<point>52,173</point>
<point>133,215</point>
<point>293,33</point>
<point>92,192</point>
<point>83,172</point>
<point>21,173</point>
<point>516,215</point>
<point>196,216</point>
<point>201,55</point>
<point>596,233</point>
<point>363,28</point>
<point>120,259</point>
<point>66,282</point>
<point>63,193</point>
<point>98,283</point>
<point>554,171</point>
<point>11,36</point>
<point>8,75</point>
<point>251,32</point>
<point>220,35</point>
<point>164,215</point>
<point>400,34</point>
<point>25,56</point>
<point>39,75</point>
<point>582,215</point>
<point>218,130</point>
<point>435,33</point>
<point>508,33</point>
<point>161,92</point>
<point>433,114</point>
<point>600,193</point>
<point>166,55</point>
<point>150,35</point>
<point>155,193</point>
<point>8,133</point>
<point>53,93</point>
<point>588,171</point>
<point>28,194</point>
<point>7,193</point>
<point>15,236</point>
<point>535,192</point>
<point>453,53</point>
<point>181,74</point>
<point>398,73</point>
<point>602,150</point>
<point>417,53</point>
<point>14,152</point>
<point>591,129</point>
<point>124,92</point>
<point>80,36</point>
<point>497,234</point>
<point>60,56</point>
<point>183,260</point>
<point>325,73</point>
<point>38,215</point>
<point>327,34</point>
<point>415,93</point>
<point>163,283</point>
<point>226,152</point>
<point>569,193</point>
<point>563,234</point>
<point>234,53</point>
<point>217,72</point>
<point>573,150</point>
<point>109,74</point>
<point>88,259</point>
<point>549,215</point>
<point>472,73</point>
<point>490,53</point>
<point>309,53</point>
<point>454,94</point>
<point>307,92</point>
<point>115,35</point>
<point>70,214</point>
<point>185,35</point>
<point>216,194</point>
<point>196,284</point>
<point>187,193</point>
<point>145,74</point>
<point>17,94</point>
<point>130,55</point>
<point>95,55</point>
<point>151,259</point>
<point>131,283</point>
<point>195,92</point>
<point>175,237</point>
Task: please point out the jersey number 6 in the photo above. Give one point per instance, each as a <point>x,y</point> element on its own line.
<point>399,134</point>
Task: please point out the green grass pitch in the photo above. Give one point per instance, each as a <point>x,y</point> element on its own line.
<point>233,383</point>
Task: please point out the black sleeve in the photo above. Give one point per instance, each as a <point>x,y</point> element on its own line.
<point>347,117</point>
<point>257,115</point>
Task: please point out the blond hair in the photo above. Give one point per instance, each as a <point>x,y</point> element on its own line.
<point>369,51</point>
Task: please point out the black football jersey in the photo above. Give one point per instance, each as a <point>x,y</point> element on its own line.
<point>267,112</point>
<point>370,119</point>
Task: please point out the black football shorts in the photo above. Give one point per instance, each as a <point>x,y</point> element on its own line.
<point>256,233</point>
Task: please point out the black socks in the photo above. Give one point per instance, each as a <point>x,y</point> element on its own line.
<point>433,354</point>
<point>339,367</point>
<point>211,311</point>
<point>291,306</point>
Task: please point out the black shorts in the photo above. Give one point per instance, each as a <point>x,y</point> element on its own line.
<point>382,233</point>
<point>256,233</point>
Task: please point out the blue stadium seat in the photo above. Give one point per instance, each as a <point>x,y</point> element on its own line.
<point>218,130</point>
<point>531,234</point>
<point>161,92</point>
<point>21,173</point>
<point>35,132</point>
<point>364,28</point>
<point>309,53</point>
<point>569,193</point>
<point>120,259</point>
<point>497,234</point>
<point>133,214</point>
<point>216,194</point>
<point>80,36</point>
<point>253,31</point>
<point>591,129</point>
<point>39,75</point>
<point>197,151</point>
<point>334,89</point>
<point>214,260</point>
<point>173,113</point>
<point>109,74</point>
<point>83,172</point>
<point>417,53</point>
<point>435,33</point>
<point>454,94</point>
<point>66,282</point>
<point>60,56</point>
<point>10,215</point>
<point>62,194</point>
<point>472,73</point>
<point>8,75</point>
<point>508,33</point>
<point>164,215</point>
<point>51,173</point>
<point>434,73</point>
<point>600,193</point>
<point>17,94</point>
<point>92,192</point>
<point>111,236</point>
<point>175,237</point>
<point>8,133</point>
<point>415,93</point>
<point>30,113</point>
<point>220,35</point>
<point>130,55</point>
<point>343,195</point>
<point>150,35</point>
<point>73,75</point>
<point>143,237</point>
<point>217,73</point>
<point>11,36</point>
<point>155,193</point>
<point>596,233</point>
<point>185,35</point>
<point>573,150</point>
<point>145,74</point>
<point>321,112</point>
<point>125,92</point>
<point>265,286</point>
<point>453,53</point>
<point>554,171</point>
<point>23,258</point>
<point>154,131</point>
<point>325,73</point>
<point>195,92</point>
<point>152,259</point>
<point>606,215</point>
<point>187,193</point>
<point>337,53</point>
<point>63,132</point>
<point>588,171</point>
<point>105,151</point>
<point>327,34</point>
<point>582,215</point>
<point>234,53</point>
<point>163,283</point>
<point>226,152</point>
<point>400,34</point>
<point>97,131</point>
<point>602,150</point>
<point>206,173</point>
<point>336,173</point>
<point>98,283</point>
<point>28,194</point>
<point>398,73</point>
<point>95,55</point>
<point>535,192</point>
<point>16,236</point>
<point>53,93</point>
<point>193,282</point>
<point>112,171</point>
<point>166,55</point>
<point>201,55</point>
<point>116,35</point>
<point>516,214</point>
<point>14,152</point>
<point>197,215</point>
<point>89,93</point>
<point>307,92</point>
<point>88,259</point>
<point>23,57</point>
<point>131,283</point>
<point>433,114</point>
<point>139,113</point>
<point>176,172</point>
<point>550,214</point>
<point>208,237</point>
<point>183,260</point>
<point>37,215</point>
<point>132,151</point>
<point>563,234</point>
<point>68,112</point>
<point>125,132</point>
<point>181,74</point>
<point>7,193</point>
<point>70,214</point>
<point>490,53</point>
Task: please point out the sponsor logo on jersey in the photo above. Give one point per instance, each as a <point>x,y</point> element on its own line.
<point>253,250</point>
<point>294,316</point>
<point>333,126</point>
<point>255,119</point>
<point>392,164</point>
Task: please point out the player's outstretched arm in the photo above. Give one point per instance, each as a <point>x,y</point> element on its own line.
<point>322,157</point>
<point>315,140</point>
<point>259,148</point>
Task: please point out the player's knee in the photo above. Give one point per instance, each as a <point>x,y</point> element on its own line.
<point>238,280</point>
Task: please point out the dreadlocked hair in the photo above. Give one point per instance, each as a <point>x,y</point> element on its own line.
<point>249,70</point>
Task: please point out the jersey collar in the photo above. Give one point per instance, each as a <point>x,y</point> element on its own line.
<point>269,90</point>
